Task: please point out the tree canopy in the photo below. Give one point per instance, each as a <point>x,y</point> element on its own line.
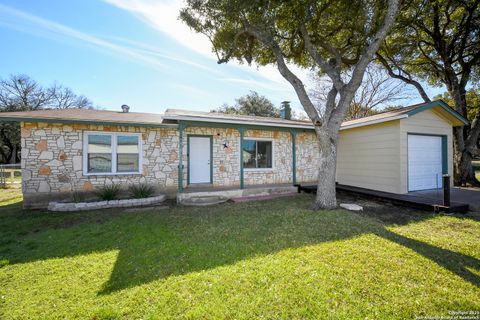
<point>437,42</point>
<point>251,104</point>
<point>22,93</point>
<point>329,37</point>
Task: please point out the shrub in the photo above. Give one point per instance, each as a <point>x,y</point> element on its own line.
<point>78,196</point>
<point>141,191</point>
<point>109,192</point>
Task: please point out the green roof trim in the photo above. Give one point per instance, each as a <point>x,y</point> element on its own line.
<point>443,105</point>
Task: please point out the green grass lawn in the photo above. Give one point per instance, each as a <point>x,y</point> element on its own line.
<point>271,260</point>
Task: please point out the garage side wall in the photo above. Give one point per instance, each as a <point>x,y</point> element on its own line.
<point>427,122</point>
<point>369,157</point>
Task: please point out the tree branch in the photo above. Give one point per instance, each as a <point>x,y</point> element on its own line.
<point>347,95</point>
<point>297,84</point>
<point>332,72</point>
<point>409,81</point>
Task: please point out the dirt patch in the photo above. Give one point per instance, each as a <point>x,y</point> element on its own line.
<point>384,211</point>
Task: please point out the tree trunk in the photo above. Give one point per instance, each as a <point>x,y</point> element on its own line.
<point>463,174</point>
<point>13,155</point>
<point>326,191</point>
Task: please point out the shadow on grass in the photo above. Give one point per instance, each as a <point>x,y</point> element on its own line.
<point>158,244</point>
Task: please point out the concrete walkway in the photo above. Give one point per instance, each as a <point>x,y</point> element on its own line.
<point>470,196</point>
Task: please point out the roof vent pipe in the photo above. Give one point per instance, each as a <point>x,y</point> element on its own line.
<point>286,110</point>
<point>125,108</point>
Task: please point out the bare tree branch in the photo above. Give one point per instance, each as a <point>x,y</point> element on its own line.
<point>408,80</point>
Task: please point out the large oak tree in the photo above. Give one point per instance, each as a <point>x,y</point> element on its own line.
<point>327,36</point>
<point>438,42</point>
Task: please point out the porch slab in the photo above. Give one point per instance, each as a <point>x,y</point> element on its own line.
<point>409,200</point>
<point>230,193</point>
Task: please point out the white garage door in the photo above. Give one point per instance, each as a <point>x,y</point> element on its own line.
<point>424,162</point>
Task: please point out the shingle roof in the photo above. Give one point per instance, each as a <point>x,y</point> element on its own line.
<point>173,115</point>
<point>457,119</point>
<point>180,114</point>
<point>87,116</point>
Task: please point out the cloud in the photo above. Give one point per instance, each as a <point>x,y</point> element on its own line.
<point>163,16</point>
<point>132,50</point>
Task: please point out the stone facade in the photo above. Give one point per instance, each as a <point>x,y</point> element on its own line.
<point>307,151</point>
<point>282,159</point>
<point>52,159</point>
<point>226,160</point>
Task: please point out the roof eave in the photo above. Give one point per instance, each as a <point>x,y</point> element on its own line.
<point>377,121</point>
<point>236,122</point>
<point>85,121</point>
<point>459,119</point>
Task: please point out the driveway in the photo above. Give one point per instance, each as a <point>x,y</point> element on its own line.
<point>471,196</point>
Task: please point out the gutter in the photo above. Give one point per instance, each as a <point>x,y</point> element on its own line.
<point>281,125</point>
<point>245,122</point>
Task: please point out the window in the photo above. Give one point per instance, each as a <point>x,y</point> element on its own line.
<point>257,154</point>
<point>112,153</point>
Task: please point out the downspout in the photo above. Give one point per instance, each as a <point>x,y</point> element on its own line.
<point>294,156</point>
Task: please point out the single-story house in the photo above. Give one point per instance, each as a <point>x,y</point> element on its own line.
<point>69,150</point>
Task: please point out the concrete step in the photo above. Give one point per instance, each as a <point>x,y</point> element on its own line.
<point>264,197</point>
<point>200,201</point>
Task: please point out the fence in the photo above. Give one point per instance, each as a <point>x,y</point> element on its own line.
<point>10,174</point>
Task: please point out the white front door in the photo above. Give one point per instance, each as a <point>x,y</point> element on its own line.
<point>199,159</point>
<point>424,162</point>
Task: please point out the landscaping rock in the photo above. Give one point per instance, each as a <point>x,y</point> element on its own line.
<point>351,206</point>
<point>125,203</point>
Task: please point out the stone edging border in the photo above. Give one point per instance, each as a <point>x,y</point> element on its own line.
<point>84,206</point>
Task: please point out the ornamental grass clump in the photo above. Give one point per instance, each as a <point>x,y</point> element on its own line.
<point>141,191</point>
<point>109,192</point>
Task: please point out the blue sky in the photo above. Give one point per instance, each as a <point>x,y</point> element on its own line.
<point>133,52</point>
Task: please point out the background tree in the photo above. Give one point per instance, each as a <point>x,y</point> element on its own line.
<point>327,36</point>
<point>473,109</point>
<point>376,93</point>
<point>251,104</point>
<point>438,41</point>
<point>21,93</point>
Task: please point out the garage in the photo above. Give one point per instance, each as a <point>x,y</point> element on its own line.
<point>425,162</point>
<point>399,151</point>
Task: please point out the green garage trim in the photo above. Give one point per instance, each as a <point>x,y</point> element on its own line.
<point>443,105</point>
<point>444,154</point>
